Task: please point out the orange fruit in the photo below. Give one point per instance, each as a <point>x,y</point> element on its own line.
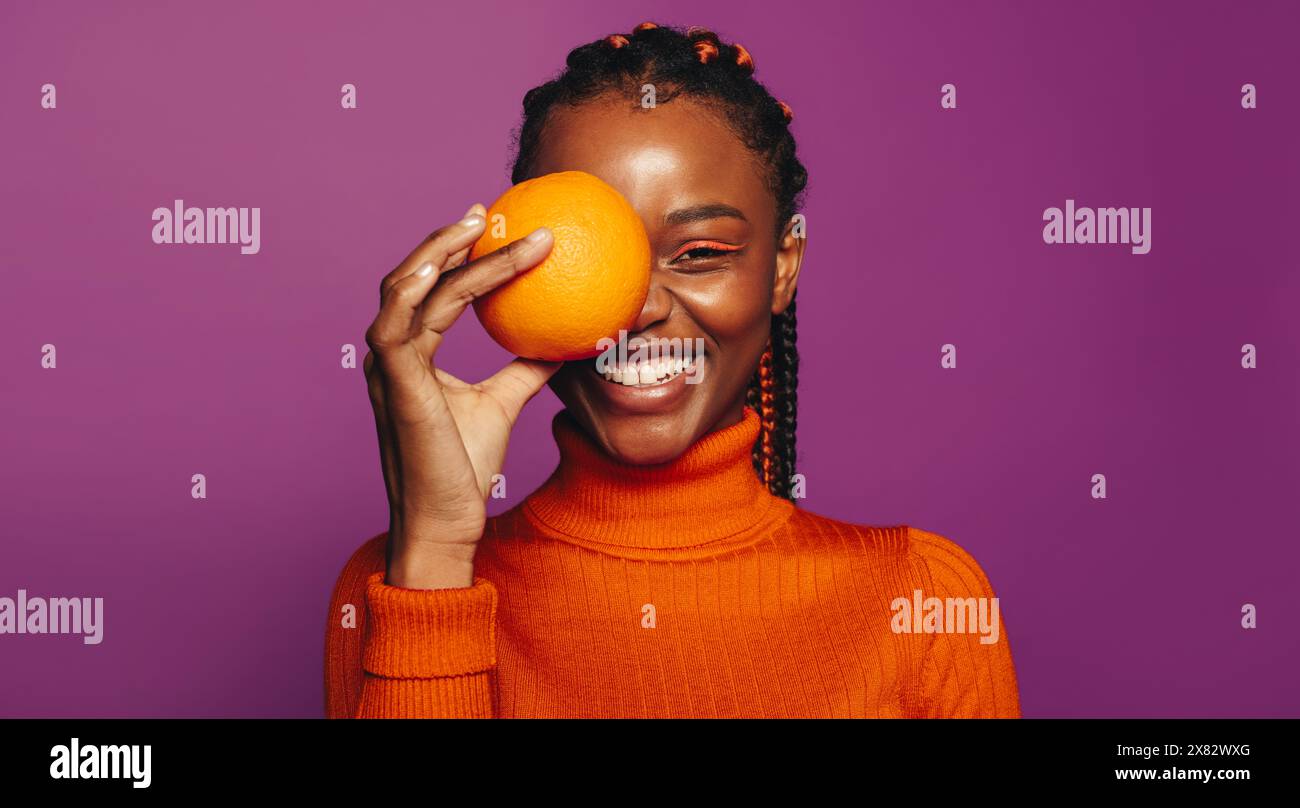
<point>592,284</point>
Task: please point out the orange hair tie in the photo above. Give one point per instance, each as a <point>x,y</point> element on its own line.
<point>616,40</point>
<point>785,110</point>
<point>645,26</point>
<point>706,51</point>
<point>743,58</point>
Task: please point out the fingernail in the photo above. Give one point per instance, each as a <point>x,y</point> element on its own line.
<point>473,220</point>
<point>424,271</point>
<point>470,209</point>
<point>537,236</point>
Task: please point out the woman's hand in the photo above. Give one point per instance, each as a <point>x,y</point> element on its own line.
<point>441,440</point>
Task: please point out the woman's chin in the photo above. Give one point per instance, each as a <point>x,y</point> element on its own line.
<point>637,450</point>
<point>642,425</point>
<point>643,439</point>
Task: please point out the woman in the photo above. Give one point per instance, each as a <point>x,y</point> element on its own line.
<point>663,569</point>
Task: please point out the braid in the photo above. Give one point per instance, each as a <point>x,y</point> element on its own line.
<point>773,394</point>
<point>765,450</point>
<point>698,64</point>
<point>786,368</point>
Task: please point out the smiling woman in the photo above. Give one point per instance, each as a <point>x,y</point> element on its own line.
<point>663,569</point>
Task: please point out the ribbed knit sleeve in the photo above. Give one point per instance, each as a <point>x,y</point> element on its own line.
<point>965,674</point>
<point>407,653</point>
<point>429,653</point>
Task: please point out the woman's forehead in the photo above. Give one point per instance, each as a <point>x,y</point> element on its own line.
<point>654,156</point>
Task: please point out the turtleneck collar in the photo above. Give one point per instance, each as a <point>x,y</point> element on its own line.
<point>709,495</point>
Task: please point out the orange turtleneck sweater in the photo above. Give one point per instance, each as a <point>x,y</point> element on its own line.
<point>679,590</point>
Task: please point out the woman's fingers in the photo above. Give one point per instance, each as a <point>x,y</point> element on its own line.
<point>457,258</point>
<point>402,297</point>
<point>445,248</point>
<point>518,382</point>
<point>481,276</point>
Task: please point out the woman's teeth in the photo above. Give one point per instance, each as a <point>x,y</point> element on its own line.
<point>648,373</point>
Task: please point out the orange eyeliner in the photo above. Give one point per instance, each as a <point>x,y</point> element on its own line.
<point>712,245</point>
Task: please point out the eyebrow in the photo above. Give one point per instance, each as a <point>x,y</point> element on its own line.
<point>701,213</point>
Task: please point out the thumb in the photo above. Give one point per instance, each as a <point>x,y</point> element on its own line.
<point>518,382</point>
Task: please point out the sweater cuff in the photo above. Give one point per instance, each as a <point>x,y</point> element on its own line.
<point>426,633</point>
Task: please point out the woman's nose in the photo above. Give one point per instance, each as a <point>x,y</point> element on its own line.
<point>658,304</point>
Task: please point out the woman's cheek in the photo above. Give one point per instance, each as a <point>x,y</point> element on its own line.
<point>735,304</point>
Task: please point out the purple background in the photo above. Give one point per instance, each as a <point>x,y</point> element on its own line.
<point>924,227</point>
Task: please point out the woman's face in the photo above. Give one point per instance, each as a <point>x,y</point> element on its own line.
<point>718,272</point>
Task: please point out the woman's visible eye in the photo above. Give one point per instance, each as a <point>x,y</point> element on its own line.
<point>699,251</point>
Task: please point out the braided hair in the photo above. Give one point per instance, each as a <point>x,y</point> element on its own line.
<point>697,64</point>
